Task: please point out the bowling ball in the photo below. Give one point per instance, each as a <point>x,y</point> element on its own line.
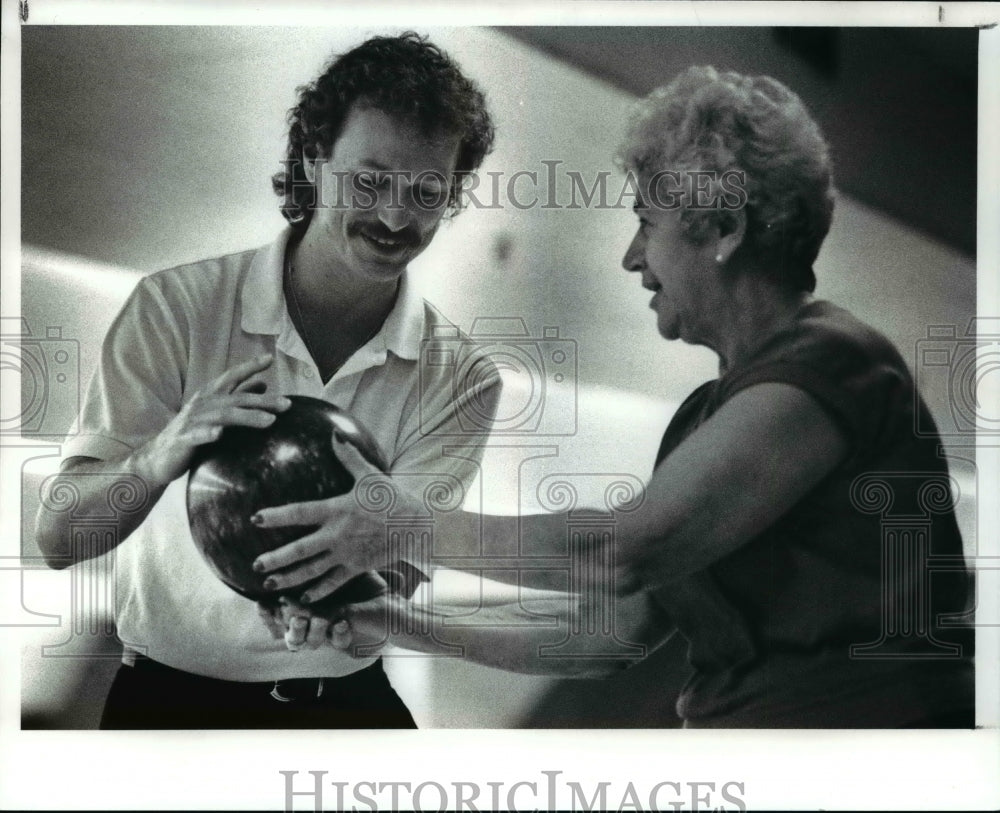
<point>247,469</point>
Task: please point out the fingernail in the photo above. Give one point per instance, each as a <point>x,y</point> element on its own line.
<point>284,402</point>
<point>258,566</point>
<point>257,519</point>
<point>270,583</point>
<point>305,598</point>
<point>341,626</point>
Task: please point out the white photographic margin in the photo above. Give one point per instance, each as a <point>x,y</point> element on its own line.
<point>240,770</point>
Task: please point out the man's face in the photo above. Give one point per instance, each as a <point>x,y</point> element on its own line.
<point>383,192</point>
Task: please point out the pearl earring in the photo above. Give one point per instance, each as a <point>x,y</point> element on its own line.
<point>718,258</point>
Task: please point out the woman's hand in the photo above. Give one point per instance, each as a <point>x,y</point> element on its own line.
<point>350,539</point>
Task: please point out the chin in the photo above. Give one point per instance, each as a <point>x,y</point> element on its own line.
<point>668,331</point>
<point>380,270</point>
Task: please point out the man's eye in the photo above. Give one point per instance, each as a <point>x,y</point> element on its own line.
<point>431,195</point>
<point>373,179</point>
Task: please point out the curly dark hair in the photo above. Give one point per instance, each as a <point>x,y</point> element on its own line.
<point>406,77</point>
<point>707,120</point>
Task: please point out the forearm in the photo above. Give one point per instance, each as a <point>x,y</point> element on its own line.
<point>526,637</point>
<point>524,550</point>
<point>131,485</point>
<point>87,487</point>
<point>459,589</point>
<point>531,550</point>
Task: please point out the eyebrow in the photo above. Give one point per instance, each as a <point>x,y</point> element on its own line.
<point>370,163</point>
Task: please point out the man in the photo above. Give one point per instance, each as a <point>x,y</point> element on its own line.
<point>378,147</point>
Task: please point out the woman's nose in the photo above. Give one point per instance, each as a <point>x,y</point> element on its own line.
<point>632,261</point>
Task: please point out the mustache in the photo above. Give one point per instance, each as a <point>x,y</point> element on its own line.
<point>408,235</point>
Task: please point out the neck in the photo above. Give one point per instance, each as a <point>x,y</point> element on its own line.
<point>325,288</point>
<point>333,312</point>
<point>753,311</point>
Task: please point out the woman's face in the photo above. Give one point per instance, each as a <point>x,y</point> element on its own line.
<point>682,274</point>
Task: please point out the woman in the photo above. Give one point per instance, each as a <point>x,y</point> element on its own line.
<point>757,538</point>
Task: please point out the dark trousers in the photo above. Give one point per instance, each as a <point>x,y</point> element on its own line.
<point>966,718</point>
<point>151,695</point>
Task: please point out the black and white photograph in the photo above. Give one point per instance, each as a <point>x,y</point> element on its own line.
<point>443,407</point>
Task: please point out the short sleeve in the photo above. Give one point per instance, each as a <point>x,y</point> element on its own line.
<point>445,448</point>
<point>456,417</point>
<point>138,385</point>
<point>853,372</point>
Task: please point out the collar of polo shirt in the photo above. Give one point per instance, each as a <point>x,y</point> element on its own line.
<point>264,309</point>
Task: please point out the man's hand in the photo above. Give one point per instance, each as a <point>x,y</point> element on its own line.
<point>349,540</point>
<point>233,399</point>
<point>301,628</point>
<point>286,618</point>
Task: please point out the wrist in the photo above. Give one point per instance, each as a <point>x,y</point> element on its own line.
<point>144,464</point>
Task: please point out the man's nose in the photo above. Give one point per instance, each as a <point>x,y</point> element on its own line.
<point>393,214</point>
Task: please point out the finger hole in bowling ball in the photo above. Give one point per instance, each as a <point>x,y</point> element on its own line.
<point>248,469</point>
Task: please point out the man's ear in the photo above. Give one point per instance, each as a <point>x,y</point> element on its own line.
<point>311,166</point>
<point>309,169</point>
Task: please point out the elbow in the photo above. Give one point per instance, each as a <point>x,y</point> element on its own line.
<point>591,668</point>
<point>56,561</point>
<point>612,667</point>
<point>52,542</point>
<point>52,526</point>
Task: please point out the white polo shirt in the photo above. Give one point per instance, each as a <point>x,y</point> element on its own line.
<point>181,329</point>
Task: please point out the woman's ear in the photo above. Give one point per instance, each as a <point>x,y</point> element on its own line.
<point>732,229</point>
